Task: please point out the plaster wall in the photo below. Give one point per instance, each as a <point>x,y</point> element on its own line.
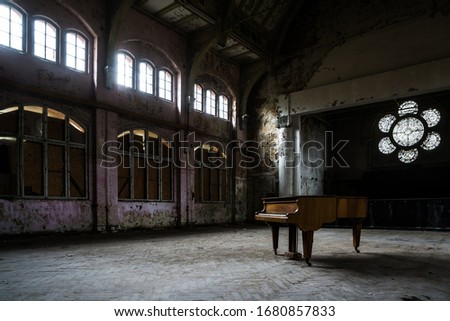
<point>107,109</point>
<point>25,216</point>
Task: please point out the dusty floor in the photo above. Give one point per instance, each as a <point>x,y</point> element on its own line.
<point>225,263</point>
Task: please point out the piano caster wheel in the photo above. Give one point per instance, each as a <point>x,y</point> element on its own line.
<point>309,263</point>
<point>356,249</point>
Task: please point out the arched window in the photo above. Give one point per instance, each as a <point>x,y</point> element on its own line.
<point>211,184</point>
<point>43,154</point>
<point>125,69</point>
<point>206,100</point>
<point>165,84</point>
<point>45,38</point>
<point>223,107</point>
<point>76,51</point>
<point>146,77</point>
<point>210,102</point>
<point>198,97</point>
<point>12,30</point>
<point>145,171</point>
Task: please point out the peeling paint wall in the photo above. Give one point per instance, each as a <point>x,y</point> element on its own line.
<point>25,216</point>
<point>146,215</point>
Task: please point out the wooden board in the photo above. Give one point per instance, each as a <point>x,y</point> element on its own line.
<point>351,207</point>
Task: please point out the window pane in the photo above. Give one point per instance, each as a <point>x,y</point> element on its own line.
<point>70,39</point>
<point>125,70</point>
<point>223,107</point>
<point>4,11</point>
<point>39,38</point>
<point>166,180</point>
<point>70,61</point>
<point>198,103</point>
<point>76,132</point>
<point>77,172</point>
<point>45,44</point>
<point>166,148</point>
<point>8,166</point>
<point>56,170</point>
<point>146,78</point>
<point>214,187</point>
<point>205,184</point>
<point>165,85</point>
<point>139,178</point>
<point>56,125</point>
<point>223,185</point>
<point>39,50</point>
<point>124,178</point>
<point>153,179</point>
<point>33,169</point>
<point>153,147</point>
<point>75,51</point>
<point>11,27</point>
<point>8,121</point>
<point>210,102</point>
<point>138,142</point>
<point>198,184</point>
<point>33,121</point>
<point>4,37</point>
<point>16,42</point>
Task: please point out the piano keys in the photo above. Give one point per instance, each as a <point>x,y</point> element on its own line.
<point>309,213</point>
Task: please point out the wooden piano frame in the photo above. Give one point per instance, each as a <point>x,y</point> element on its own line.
<point>308,213</point>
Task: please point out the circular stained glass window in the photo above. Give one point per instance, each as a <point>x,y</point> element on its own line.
<point>408,131</point>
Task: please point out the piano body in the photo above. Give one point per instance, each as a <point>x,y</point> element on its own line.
<point>308,213</point>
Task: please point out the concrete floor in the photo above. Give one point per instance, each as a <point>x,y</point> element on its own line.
<point>225,263</point>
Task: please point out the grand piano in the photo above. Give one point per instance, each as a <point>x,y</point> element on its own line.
<point>309,213</point>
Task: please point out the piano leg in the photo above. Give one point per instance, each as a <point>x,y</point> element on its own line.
<point>275,232</point>
<point>357,226</point>
<point>307,238</point>
<point>293,239</point>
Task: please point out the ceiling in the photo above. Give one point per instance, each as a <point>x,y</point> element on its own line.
<point>247,31</point>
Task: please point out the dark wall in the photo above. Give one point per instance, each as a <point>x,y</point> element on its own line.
<point>401,195</point>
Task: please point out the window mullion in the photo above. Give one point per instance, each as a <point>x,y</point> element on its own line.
<point>66,159</point>
<point>45,153</point>
<point>20,163</point>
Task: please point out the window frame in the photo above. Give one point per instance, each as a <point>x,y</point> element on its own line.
<point>209,100</point>
<point>198,97</point>
<point>204,170</point>
<point>131,154</point>
<point>86,50</point>
<point>133,70</point>
<point>205,102</point>
<point>166,72</point>
<point>13,6</point>
<point>153,77</point>
<point>221,111</point>
<point>57,49</point>
<point>47,142</point>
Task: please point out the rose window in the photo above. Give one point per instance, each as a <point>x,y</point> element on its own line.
<point>409,132</point>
